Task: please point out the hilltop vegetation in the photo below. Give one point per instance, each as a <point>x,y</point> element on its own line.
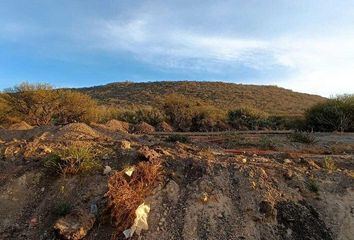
<point>40,104</point>
<point>227,96</point>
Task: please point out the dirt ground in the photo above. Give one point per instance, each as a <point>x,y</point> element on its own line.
<point>217,186</point>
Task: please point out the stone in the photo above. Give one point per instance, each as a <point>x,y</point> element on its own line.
<point>75,225</point>
<point>287,161</point>
<point>107,170</point>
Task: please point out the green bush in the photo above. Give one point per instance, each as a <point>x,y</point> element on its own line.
<point>150,115</point>
<point>303,137</point>
<point>335,114</point>
<point>312,186</point>
<point>246,118</point>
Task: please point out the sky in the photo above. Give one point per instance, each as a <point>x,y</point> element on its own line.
<point>303,45</point>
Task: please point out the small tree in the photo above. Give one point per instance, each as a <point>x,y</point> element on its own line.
<point>333,115</point>
<point>40,104</point>
<point>34,103</point>
<point>75,107</point>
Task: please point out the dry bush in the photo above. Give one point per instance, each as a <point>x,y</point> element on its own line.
<point>40,104</point>
<point>126,194</point>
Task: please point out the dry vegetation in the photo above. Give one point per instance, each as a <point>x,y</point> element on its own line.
<point>126,193</point>
<point>227,96</point>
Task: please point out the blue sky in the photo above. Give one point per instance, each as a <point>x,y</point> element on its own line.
<point>304,45</point>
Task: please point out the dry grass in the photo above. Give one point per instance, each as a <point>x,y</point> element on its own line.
<point>125,193</point>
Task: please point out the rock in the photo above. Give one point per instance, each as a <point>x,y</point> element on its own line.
<point>312,163</point>
<point>124,144</point>
<point>107,170</point>
<point>287,161</point>
<point>244,160</point>
<point>75,225</point>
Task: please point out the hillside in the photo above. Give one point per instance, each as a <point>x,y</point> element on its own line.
<point>271,99</point>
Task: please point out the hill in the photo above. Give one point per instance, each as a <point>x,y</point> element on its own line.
<point>271,99</point>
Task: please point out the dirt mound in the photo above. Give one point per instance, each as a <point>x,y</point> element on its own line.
<point>77,131</point>
<point>164,127</point>
<point>143,128</point>
<point>116,125</point>
<point>20,126</point>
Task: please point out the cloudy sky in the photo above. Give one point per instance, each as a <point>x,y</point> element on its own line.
<point>304,45</point>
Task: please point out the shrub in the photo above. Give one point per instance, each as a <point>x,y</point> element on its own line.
<point>312,186</point>
<point>178,138</point>
<point>335,114</point>
<point>75,107</point>
<point>72,160</point>
<point>33,103</point>
<point>246,118</point>
<point>40,104</point>
<point>152,116</point>
<point>4,109</point>
<point>179,111</point>
<point>329,164</point>
<point>267,143</point>
<point>303,137</point>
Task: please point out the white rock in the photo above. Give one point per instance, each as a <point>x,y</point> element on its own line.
<point>107,170</point>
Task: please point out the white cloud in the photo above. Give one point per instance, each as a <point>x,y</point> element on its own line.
<point>323,66</point>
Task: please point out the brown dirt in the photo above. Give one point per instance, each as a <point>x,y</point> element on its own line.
<point>143,128</point>
<point>20,126</point>
<point>76,131</point>
<point>206,192</point>
<point>119,126</point>
<point>164,127</point>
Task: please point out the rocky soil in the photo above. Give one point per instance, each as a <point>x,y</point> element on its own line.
<point>211,188</point>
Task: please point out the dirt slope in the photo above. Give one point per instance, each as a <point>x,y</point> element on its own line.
<point>206,192</point>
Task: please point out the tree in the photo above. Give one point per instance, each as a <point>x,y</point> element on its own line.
<point>40,104</point>
<point>335,114</point>
<point>34,103</point>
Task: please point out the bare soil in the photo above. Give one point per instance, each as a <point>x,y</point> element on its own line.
<point>219,186</point>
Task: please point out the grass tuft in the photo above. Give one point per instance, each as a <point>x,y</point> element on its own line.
<point>72,161</point>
